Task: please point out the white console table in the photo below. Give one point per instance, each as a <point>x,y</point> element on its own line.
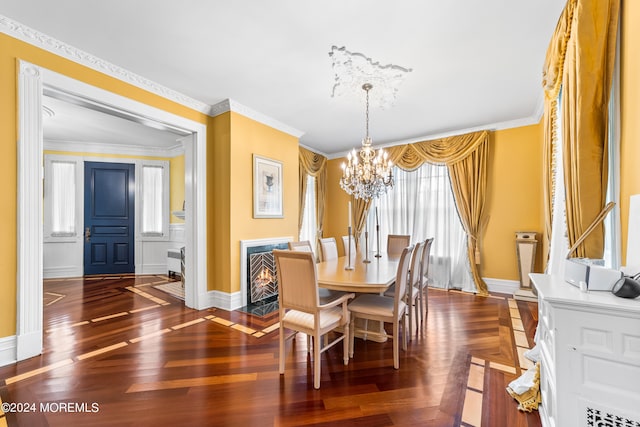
<point>590,363</point>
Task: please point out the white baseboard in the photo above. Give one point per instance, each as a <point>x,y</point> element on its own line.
<point>62,272</point>
<point>152,269</point>
<point>7,350</point>
<point>502,286</point>
<point>224,300</point>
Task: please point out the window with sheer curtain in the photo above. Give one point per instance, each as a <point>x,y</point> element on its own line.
<point>308,230</point>
<point>152,200</point>
<point>62,198</point>
<point>421,204</point>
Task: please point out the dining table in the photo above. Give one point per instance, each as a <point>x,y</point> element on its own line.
<point>358,276</point>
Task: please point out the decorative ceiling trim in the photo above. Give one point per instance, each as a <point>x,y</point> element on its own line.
<point>36,38</point>
<point>231,105</point>
<point>353,70</point>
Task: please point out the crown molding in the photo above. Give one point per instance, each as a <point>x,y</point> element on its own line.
<point>231,105</point>
<point>36,38</point>
<point>102,148</point>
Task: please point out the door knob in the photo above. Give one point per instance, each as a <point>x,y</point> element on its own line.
<point>87,233</point>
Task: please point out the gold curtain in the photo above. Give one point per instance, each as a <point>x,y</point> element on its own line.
<point>360,211</point>
<point>551,82</point>
<point>315,165</point>
<point>469,184</point>
<point>466,157</point>
<point>586,86</point>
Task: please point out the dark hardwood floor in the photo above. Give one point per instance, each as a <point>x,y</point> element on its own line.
<point>118,352</point>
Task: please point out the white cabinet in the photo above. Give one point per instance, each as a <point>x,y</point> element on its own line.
<point>590,364</point>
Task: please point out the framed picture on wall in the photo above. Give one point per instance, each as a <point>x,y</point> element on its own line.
<point>267,188</point>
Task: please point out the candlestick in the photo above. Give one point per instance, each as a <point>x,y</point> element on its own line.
<point>349,214</point>
<point>349,266</point>
<point>377,234</point>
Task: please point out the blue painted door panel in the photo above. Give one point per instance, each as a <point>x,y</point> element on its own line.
<point>108,218</point>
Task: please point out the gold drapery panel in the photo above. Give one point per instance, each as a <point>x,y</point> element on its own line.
<point>315,165</point>
<point>551,82</point>
<point>360,212</point>
<point>466,157</point>
<point>469,184</point>
<point>586,86</point>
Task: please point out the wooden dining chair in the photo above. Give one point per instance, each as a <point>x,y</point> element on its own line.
<point>396,243</point>
<point>345,245</point>
<point>386,309</point>
<point>303,245</point>
<point>328,248</point>
<point>414,288</point>
<point>302,310</point>
<point>423,296</point>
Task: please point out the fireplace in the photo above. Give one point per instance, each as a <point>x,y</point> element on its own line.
<point>258,275</point>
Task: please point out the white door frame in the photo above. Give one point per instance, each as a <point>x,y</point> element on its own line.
<point>32,78</point>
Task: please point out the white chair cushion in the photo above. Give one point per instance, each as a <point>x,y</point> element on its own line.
<point>328,317</point>
<point>376,305</point>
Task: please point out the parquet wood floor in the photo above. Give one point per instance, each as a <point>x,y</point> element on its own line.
<point>120,353</point>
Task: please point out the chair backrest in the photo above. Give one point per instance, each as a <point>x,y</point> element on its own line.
<point>297,281</point>
<point>345,245</point>
<point>415,275</point>
<point>402,277</point>
<point>303,245</point>
<point>424,263</point>
<point>396,243</point>
<point>329,248</point>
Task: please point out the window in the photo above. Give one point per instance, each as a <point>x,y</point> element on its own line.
<point>153,194</point>
<point>308,230</point>
<point>152,200</point>
<point>61,193</point>
<point>421,204</point>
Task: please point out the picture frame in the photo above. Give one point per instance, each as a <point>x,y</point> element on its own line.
<point>267,188</point>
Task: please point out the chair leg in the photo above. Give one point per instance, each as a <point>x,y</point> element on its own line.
<point>346,341</point>
<point>352,334</point>
<point>404,333</point>
<point>316,362</point>
<point>396,343</point>
<point>281,355</point>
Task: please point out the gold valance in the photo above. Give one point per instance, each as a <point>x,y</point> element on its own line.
<point>311,163</point>
<point>556,52</point>
<point>442,151</point>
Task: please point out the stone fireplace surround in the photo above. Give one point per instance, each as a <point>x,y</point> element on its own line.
<point>245,246</point>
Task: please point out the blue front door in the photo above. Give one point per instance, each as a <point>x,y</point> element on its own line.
<point>108,218</point>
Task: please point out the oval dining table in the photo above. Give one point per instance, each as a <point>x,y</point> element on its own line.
<point>373,277</point>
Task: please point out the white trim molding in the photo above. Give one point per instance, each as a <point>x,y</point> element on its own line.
<point>231,105</point>
<point>502,286</point>
<point>224,300</point>
<point>7,350</point>
<point>30,213</point>
<point>50,44</point>
<point>101,148</point>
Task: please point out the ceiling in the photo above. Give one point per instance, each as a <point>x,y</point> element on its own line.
<point>474,64</point>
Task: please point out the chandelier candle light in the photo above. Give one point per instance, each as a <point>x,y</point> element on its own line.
<point>367,174</point>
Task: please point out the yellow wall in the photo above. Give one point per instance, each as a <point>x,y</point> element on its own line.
<point>630,112</point>
<point>514,199</point>
<point>236,139</point>
<point>10,51</point>
<point>513,203</point>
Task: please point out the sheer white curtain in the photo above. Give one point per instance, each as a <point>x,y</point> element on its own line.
<point>63,198</point>
<point>421,204</point>
<point>152,200</point>
<point>308,231</point>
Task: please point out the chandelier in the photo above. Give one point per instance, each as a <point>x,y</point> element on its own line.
<point>367,174</point>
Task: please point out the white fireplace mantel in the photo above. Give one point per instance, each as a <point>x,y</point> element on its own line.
<point>244,245</point>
